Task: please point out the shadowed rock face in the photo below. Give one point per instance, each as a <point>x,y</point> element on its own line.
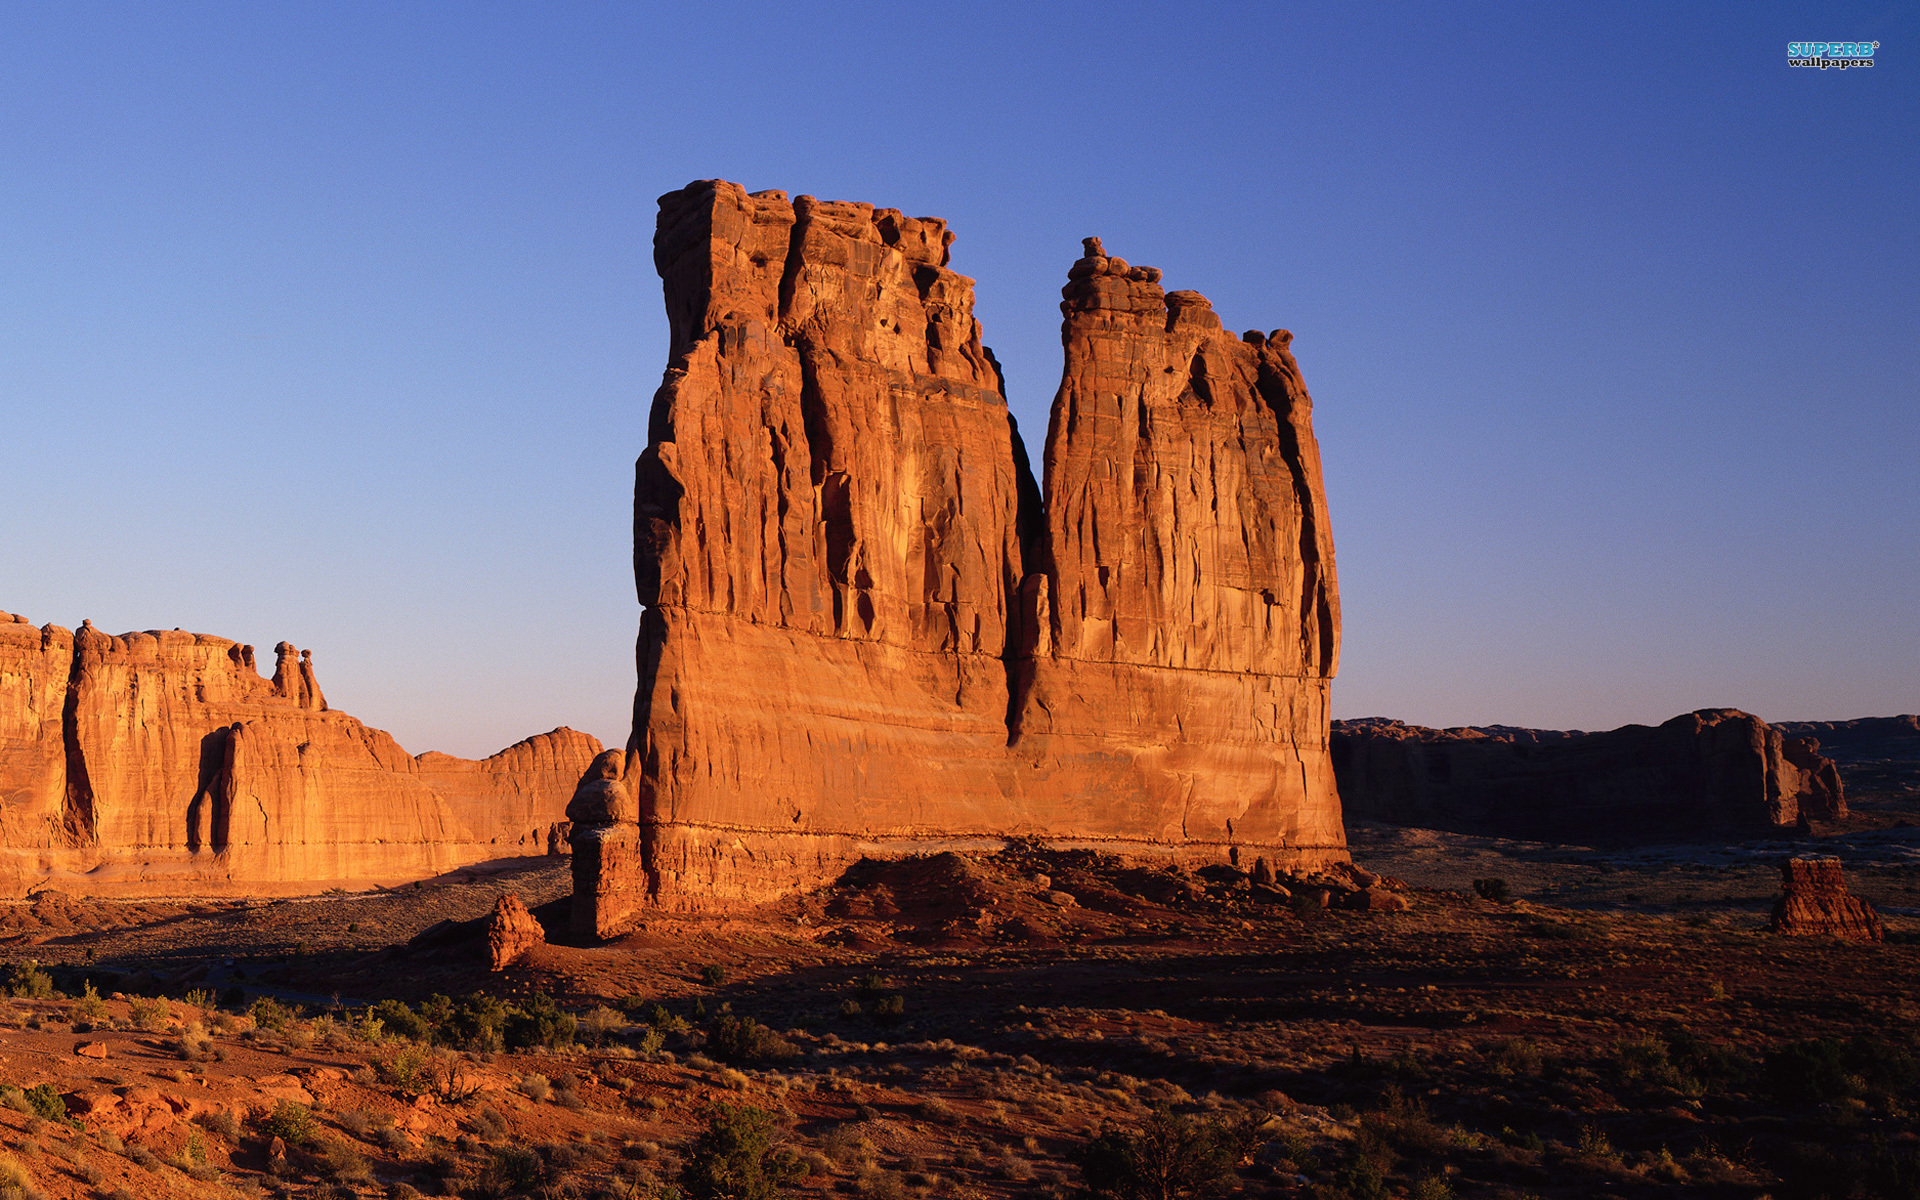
<point>1704,773</point>
<point>164,763</point>
<point>866,631</point>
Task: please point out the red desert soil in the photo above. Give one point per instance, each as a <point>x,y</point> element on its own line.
<point>961,1026</point>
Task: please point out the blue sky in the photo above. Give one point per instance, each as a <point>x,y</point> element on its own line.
<point>338,323</point>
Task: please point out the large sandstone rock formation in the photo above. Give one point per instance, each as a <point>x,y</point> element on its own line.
<point>163,762</point>
<point>1702,773</point>
<point>867,629</point>
<point>1814,900</point>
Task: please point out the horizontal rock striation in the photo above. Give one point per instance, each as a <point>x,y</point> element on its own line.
<point>1814,901</point>
<point>867,629</point>
<point>1702,773</point>
<point>164,763</point>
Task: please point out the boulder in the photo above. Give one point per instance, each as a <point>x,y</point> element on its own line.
<point>1815,900</point>
<point>512,932</point>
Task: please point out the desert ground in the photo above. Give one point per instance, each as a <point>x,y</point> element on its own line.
<point>1619,1023</point>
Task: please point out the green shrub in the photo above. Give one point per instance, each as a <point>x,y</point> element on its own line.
<point>28,982</point>
<point>90,1006</point>
<point>713,974</point>
<point>291,1123</point>
<point>43,1101</point>
<point>1171,1158</point>
<point>401,1021</point>
<point>738,1157</point>
<point>540,1023</point>
<point>743,1041</point>
<point>268,1013</point>
<point>888,1009</point>
<point>402,1069</point>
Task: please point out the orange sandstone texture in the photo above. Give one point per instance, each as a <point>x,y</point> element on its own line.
<point>1815,900</point>
<point>164,763</point>
<point>867,630</point>
<point>512,932</point>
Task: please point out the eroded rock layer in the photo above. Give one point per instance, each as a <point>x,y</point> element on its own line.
<point>1814,900</point>
<point>1703,773</point>
<point>163,762</point>
<point>864,630</point>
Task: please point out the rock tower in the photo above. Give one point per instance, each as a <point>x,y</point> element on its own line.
<point>868,630</point>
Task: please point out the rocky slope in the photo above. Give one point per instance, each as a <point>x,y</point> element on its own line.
<point>1701,773</point>
<point>164,763</point>
<point>867,628</point>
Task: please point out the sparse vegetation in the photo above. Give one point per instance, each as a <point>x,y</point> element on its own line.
<point>739,1156</point>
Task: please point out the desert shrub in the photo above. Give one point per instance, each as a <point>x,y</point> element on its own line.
<point>149,1013</point>
<point>488,1122</point>
<point>650,1041</point>
<point>1495,890</point>
<point>15,1182</point>
<point>1515,1056</point>
<point>474,1023</point>
<point>540,1023</point>
<point>713,974</point>
<point>13,1098</point>
<point>872,984</point>
<point>597,1023</point>
<point>90,1007</point>
<point>395,1141</point>
<point>43,1101</point>
<point>199,998</point>
<point>340,1162</point>
<point>738,1156</point>
<point>510,1171</point>
<point>403,1068</point>
<point>291,1123</point>
<point>888,1009</point>
<point>401,1021</point>
<point>268,1013</point>
<point>1170,1158</point>
<point>222,1125</point>
<point>26,981</point>
<point>742,1040</point>
<point>535,1087</point>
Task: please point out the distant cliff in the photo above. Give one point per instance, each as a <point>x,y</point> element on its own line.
<point>870,629</point>
<point>1704,773</point>
<point>164,763</point>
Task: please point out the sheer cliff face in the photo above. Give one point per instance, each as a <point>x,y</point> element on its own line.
<point>1183,618</point>
<point>864,632</point>
<point>164,762</point>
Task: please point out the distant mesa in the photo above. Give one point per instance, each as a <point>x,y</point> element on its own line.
<point>1709,773</point>
<point>870,631</point>
<point>163,763</point>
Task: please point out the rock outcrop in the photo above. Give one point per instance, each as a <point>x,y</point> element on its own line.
<point>1815,900</point>
<point>1702,773</point>
<point>867,630</point>
<point>512,932</point>
<point>164,763</point>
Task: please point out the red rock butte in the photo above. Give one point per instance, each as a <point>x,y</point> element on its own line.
<point>163,763</point>
<point>869,631</point>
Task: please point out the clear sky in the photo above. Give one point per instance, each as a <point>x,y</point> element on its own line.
<point>337,323</point>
